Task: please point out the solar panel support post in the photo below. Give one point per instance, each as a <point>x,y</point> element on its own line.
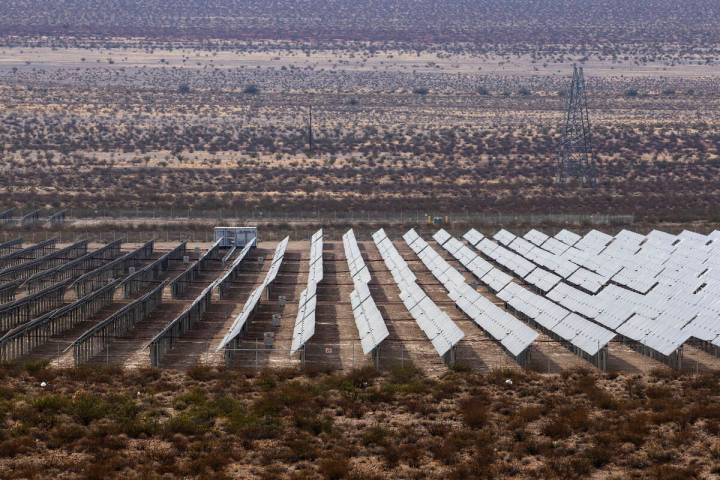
<point>576,160</point>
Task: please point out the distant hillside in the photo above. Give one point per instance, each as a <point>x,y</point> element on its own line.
<point>692,23</point>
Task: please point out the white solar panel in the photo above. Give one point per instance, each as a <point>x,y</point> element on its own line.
<point>441,236</point>
<point>515,336</point>
<point>536,237</point>
<point>504,237</point>
<point>305,320</point>
<point>555,246</point>
<point>568,237</point>
<point>487,246</point>
<point>542,279</point>
<point>473,237</point>
<point>593,241</point>
<point>435,323</point>
<point>496,279</point>
<point>255,296</point>
<point>587,280</point>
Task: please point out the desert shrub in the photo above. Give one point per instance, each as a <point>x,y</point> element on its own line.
<point>599,455</point>
<point>375,435</point>
<point>203,373</point>
<point>498,376</point>
<point>287,395</point>
<point>94,373</point>
<point>444,452</point>
<point>362,377</point>
<point>36,367</point>
<point>301,447</point>
<point>334,467</point>
<point>101,470</point>
<point>12,447</point>
<point>194,396</point>
<point>556,428</point>
<point>474,411</point>
<point>669,472</point>
<point>524,415</point>
<point>189,422</point>
<point>570,467</point>
<point>65,434</point>
<point>391,453</point>
<point>311,422</point>
<point>253,427</point>
<point>88,407</point>
<point>144,376</point>
<point>209,458</point>
<point>474,468</point>
<point>633,428</point>
<point>51,403</point>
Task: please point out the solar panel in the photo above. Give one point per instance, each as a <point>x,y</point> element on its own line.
<point>487,246</point>
<point>504,237</point>
<point>574,300</point>
<point>441,236</point>
<point>542,279</point>
<point>536,237</point>
<point>474,237</point>
<point>555,246</point>
<point>305,320</point>
<point>694,237</point>
<point>496,279</point>
<point>256,295</point>
<point>658,277</point>
<point>442,332</point>
<point>659,238</point>
<point>522,246</point>
<point>567,237</point>
<point>587,280</point>
<point>593,241</point>
<point>514,335</point>
<point>664,339</point>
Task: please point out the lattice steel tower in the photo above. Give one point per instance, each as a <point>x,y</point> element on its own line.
<point>577,160</point>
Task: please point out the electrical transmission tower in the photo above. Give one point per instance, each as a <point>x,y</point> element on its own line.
<point>577,160</point>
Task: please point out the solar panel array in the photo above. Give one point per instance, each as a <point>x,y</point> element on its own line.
<point>512,334</point>
<point>587,336</point>
<point>370,324</point>
<point>658,289</point>
<point>231,272</point>
<point>435,323</point>
<point>254,298</point>
<point>182,282</point>
<point>305,320</point>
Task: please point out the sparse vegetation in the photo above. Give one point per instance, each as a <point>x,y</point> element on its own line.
<point>282,424</point>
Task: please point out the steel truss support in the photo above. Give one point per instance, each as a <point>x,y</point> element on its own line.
<point>577,160</point>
